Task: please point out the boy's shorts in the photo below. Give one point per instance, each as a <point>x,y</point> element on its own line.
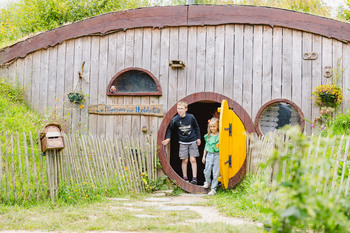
<point>191,149</point>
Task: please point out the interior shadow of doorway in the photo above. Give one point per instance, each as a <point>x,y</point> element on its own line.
<point>203,111</point>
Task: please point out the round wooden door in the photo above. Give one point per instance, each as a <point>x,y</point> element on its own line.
<point>232,147</point>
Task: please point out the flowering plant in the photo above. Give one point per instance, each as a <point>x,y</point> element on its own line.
<point>329,95</point>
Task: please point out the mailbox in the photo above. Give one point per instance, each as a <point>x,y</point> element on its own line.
<point>51,138</point>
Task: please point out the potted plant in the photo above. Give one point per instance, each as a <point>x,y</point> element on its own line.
<point>328,95</point>
<point>76,97</point>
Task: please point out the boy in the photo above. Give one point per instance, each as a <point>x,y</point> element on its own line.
<point>189,138</point>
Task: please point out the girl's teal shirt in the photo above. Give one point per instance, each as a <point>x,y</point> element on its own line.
<point>210,144</point>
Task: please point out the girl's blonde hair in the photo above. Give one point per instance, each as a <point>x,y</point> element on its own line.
<point>214,120</point>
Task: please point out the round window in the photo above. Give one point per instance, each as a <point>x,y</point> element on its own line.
<point>276,114</point>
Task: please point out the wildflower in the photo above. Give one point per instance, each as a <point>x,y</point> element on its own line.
<point>85,182</point>
<point>81,106</point>
<point>93,186</point>
<point>106,190</point>
<point>323,127</point>
<point>312,126</point>
<point>126,168</point>
<point>69,197</point>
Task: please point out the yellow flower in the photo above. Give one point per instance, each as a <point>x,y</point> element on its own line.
<point>126,168</point>
<point>69,197</point>
<point>93,185</point>
<point>106,190</point>
<point>81,106</point>
<point>84,182</point>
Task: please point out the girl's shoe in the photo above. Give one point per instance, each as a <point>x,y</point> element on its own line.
<point>212,192</point>
<point>206,185</point>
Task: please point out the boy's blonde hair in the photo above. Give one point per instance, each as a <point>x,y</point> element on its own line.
<point>214,120</point>
<point>183,103</point>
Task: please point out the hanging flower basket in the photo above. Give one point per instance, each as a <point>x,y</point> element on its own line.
<point>328,95</point>
<point>76,97</point>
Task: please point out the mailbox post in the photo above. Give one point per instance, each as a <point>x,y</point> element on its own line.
<point>52,142</point>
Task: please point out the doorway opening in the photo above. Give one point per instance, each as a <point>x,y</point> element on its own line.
<point>202,111</point>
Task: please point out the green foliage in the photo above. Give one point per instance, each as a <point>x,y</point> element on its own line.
<point>295,201</point>
<point>246,200</point>
<point>340,124</point>
<point>15,115</point>
<point>25,17</point>
<point>160,183</point>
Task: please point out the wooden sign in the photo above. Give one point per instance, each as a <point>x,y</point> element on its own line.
<point>108,109</point>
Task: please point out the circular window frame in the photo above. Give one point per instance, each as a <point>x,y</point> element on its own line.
<point>261,110</point>
<point>193,98</point>
<point>157,93</point>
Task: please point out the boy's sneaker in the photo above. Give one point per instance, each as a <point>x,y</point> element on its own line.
<point>206,185</point>
<point>186,179</point>
<point>194,182</point>
<point>212,192</point>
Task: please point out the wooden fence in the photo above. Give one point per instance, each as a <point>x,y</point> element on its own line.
<point>22,169</point>
<point>327,160</point>
<point>26,173</point>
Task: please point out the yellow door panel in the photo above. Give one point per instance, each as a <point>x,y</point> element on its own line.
<point>232,144</point>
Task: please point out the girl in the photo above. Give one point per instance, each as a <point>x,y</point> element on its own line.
<point>211,155</point>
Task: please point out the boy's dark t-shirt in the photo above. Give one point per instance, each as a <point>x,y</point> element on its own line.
<point>187,128</point>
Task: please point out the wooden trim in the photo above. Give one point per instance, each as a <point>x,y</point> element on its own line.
<point>197,97</point>
<point>174,16</point>
<point>261,110</point>
<point>159,92</point>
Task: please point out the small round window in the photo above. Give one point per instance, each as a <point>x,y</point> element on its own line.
<point>276,114</point>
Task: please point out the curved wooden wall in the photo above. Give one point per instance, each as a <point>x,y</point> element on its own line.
<point>230,50</point>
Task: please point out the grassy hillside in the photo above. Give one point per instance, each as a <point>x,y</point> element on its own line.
<point>15,114</point>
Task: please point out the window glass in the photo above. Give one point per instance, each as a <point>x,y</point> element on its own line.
<point>277,115</point>
<point>134,81</point>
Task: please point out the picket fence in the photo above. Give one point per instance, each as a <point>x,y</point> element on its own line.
<point>26,173</point>
<point>327,159</point>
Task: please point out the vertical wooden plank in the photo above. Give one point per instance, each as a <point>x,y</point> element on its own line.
<point>346,81</point>
<point>111,71</point>
<point>306,81</point>
<point>316,79</point>
<point>28,75</point>
<point>247,69</point>
<point>338,65</point>
<point>219,59</point>
<point>52,76</point>
<point>200,72</point>
<point>36,81</point>
<point>44,80</point>
<point>173,73</point>
<point>164,67</point>
<point>77,83</point>
<point>146,64</point>
<point>238,66</point>
<point>85,85</point>
<point>7,166</point>
<point>137,54</point>
<point>94,69</point>
<point>19,163</point>
<point>286,64</point>
<point>210,59</point>
<point>267,65</point>
<point>129,62</point>
<point>192,62</point>
<point>327,55</point>
<point>60,79</point>
<point>154,67</point>
<point>13,167</point>
<point>34,165</point>
<point>229,63</point>
<point>296,67</point>
<point>257,70</point>
<point>20,72</point>
<point>277,63</point>
<point>102,84</point>
<point>118,127</point>
<point>68,82</point>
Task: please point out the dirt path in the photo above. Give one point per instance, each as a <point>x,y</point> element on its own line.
<point>194,202</point>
